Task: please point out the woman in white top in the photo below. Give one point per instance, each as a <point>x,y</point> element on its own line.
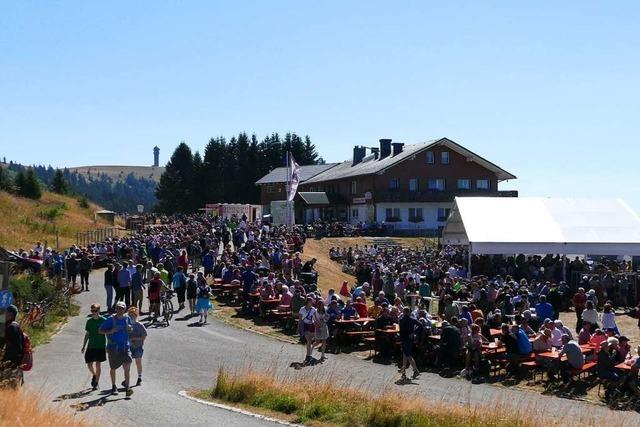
<point>609,319</point>
<point>322,330</point>
<point>590,315</point>
<point>307,315</point>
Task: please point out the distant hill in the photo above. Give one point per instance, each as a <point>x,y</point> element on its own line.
<point>118,173</point>
<point>24,221</point>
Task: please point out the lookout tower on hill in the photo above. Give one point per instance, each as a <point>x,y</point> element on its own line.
<point>156,156</point>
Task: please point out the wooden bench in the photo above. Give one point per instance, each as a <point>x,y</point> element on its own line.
<point>586,369</point>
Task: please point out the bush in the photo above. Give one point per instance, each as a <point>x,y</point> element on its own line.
<point>83,203</point>
<point>52,213</point>
<point>32,288</point>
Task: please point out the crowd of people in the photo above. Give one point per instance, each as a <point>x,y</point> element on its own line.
<point>417,304</point>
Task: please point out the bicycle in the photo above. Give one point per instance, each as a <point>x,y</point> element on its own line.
<point>167,306</point>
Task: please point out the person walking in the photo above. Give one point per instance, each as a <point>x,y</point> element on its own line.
<point>192,292</point>
<point>124,285</point>
<point>137,337</point>
<point>93,345</point>
<point>307,315</point>
<point>408,326</point>
<point>72,268</point>
<point>109,285</point>
<point>137,288</point>
<point>179,282</point>
<point>117,329</point>
<point>321,328</point>
<point>85,269</point>
<point>203,304</point>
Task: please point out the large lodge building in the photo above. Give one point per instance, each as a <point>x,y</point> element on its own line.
<point>410,187</point>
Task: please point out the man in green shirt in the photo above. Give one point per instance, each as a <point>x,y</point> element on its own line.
<point>94,345</point>
<point>425,292</point>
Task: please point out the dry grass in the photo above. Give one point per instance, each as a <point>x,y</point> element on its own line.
<point>318,399</point>
<point>23,221</point>
<point>19,408</point>
<point>330,273</point>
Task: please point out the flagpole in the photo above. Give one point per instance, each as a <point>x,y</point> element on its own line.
<point>288,188</point>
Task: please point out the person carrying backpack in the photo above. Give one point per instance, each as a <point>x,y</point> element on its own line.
<point>17,355</point>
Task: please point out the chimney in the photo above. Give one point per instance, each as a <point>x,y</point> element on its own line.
<point>358,154</point>
<point>385,148</point>
<point>376,152</point>
<point>397,148</point>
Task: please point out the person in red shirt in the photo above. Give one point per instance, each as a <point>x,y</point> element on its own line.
<point>183,261</point>
<point>361,307</point>
<point>579,303</point>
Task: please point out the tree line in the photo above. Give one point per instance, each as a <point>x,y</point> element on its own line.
<point>228,170</point>
<point>121,195</point>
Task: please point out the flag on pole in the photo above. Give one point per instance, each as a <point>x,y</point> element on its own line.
<point>294,178</point>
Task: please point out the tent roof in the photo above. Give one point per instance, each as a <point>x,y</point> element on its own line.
<point>497,225</point>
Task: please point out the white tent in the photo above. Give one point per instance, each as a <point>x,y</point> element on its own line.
<point>536,225</point>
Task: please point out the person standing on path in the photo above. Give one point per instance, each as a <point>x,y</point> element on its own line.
<point>192,292</point>
<point>117,329</point>
<point>124,285</point>
<point>307,315</point>
<point>13,347</point>
<point>85,269</point>
<point>179,282</point>
<point>93,345</point>
<point>137,337</point>
<point>203,304</point>
<point>408,326</point>
<point>109,285</point>
<point>137,288</point>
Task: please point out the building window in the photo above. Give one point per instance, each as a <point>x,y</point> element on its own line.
<point>354,187</point>
<point>436,184</point>
<point>464,184</point>
<point>444,157</point>
<point>430,159</point>
<point>392,215</point>
<point>413,184</point>
<point>443,214</point>
<point>415,215</point>
<point>394,184</point>
<point>482,184</point>
<point>354,213</point>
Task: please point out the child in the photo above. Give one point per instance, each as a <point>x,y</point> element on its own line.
<point>203,304</point>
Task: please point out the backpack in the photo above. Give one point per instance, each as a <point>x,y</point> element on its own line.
<point>27,353</point>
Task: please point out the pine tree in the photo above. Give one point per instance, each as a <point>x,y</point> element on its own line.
<point>28,185</point>
<point>5,180</point>
<point>176,183</point>
<point>59,184</point>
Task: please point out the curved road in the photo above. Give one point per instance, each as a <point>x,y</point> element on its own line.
<point>181,358</point>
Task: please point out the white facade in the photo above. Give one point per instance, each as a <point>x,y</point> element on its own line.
<point>434,215</point>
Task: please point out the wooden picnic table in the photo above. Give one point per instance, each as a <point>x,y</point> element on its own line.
<point>391,330</point>
<point>554,354</point>
<point>495,332</point>
<point>353,321</point>
<point>623,366</point>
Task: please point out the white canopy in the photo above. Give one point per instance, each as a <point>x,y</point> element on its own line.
<point>537,225</point>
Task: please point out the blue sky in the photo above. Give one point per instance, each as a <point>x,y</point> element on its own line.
<point>549,92</point>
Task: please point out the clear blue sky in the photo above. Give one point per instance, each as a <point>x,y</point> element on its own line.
<point>549,92</point>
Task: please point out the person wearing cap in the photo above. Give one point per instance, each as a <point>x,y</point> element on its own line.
<point>605,367</point>
<point>117,328</point>
<point>624,349</point>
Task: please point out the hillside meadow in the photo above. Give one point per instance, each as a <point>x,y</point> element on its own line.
<point>24,221</point>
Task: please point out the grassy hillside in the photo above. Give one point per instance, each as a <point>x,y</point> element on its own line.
<point>121,172</point>
<point>24,221</point>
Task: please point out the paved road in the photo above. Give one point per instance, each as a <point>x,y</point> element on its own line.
<point>181,357</point>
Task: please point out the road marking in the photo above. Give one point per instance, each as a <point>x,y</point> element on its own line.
<point>219,335</point>
<point>186,395</point>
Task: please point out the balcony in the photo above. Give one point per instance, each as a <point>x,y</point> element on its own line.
<point>397,196</point>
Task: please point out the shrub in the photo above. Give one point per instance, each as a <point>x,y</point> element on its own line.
<point>83,203</point>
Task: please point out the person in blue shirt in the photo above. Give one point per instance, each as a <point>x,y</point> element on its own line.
<point>524,345</point>
<point>123,291</point>
<point>334,313</point>
<point>544,310</point>
<point>117,328</point>
<point>179,282</point>
<point>349,312</point>
<point>208,262</point>
<point>249,277</point>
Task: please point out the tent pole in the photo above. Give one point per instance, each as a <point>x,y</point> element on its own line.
<point>469,267</point>
<point>564,268</point>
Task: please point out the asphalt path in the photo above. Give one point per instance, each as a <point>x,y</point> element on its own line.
<point>184,357</point>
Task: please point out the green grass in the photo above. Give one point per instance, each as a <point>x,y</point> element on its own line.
<point>319,402</point>
<point>53,320</point>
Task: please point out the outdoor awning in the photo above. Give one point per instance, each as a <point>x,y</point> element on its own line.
<point>536,225</point>
<point>315,198</point>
